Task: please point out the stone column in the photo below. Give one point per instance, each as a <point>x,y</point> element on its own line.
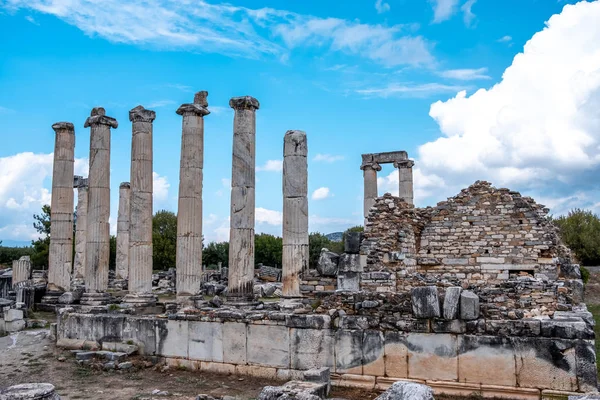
<point>21,270</point>
<point>189,212</point>
<point>122,259</point>
<point>98,233</point>
<point>80,231</point>
<point>370,170</point>
<point>61,219</point>
<point>241,232</point>
<point>406,180</point>
<point>295,211</point>
<point>140,229</point>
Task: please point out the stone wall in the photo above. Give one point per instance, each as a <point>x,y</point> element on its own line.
<point>360,350</point>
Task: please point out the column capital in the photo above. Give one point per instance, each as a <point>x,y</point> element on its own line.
<point>404,164</point>
<point>244,103</point>
<point>98,117</point>
<point>140,114</point>
<point>59,126</point>
<point>125,185</point>
<point>372,164</point>
<point>195,109</point>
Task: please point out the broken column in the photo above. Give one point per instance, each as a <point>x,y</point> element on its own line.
<point>295,211</point>
<point>405,180</point>
<point>241,233</point>
<point>370,169</point>
<point>21,270</point>
<point>80,230</point>
<point>140,217</point>
<point>122,256</point>
<point>60,258</point>
<point>189,214</point>
<point>98,233</point>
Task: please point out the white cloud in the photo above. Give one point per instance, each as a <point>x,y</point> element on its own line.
<point>538,129</point>
<point>270,217</point>
<point>443,9</point>
<point>468,15</point>
<point>321,193</point>
<point>160,187</point>
<point>465,74</point>
<point>232,30</point>
<point>381,7</point>
<point>25,180</point>
<point>272,166</point>
<point>409,90</point>
<point>505,39</point>
<point>328,158</point>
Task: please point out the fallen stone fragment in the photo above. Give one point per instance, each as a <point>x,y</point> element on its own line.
<point>407,391</point>
<point>328,263</point>
<point>37,391</point>
<point>469,305</point>
<point>425,302</point>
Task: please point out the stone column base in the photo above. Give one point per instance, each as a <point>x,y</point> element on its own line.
<point>241,301</point>
<point>30,391</point>
<point>95,299</point>
<point>139,300</point>
<point>51,297</point>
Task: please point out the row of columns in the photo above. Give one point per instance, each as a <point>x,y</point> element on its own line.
<point>405,187</point>
<point>134,222</point>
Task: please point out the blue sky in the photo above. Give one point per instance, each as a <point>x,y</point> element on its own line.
<point>368,76</point>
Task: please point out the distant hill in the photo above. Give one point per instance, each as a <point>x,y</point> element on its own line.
<point>335,236</point>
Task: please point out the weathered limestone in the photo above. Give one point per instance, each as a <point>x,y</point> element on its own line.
<point>21,270</point>
<point>241,235</point>
<point>80,229</point>
<point>370,170</point>
<point>189,214</point>
<point>405,180</point>
<point>295,211</point>
<point>140,208</point>
<point>60,257</point>
<point>98,233</point>
<point>122,259</point>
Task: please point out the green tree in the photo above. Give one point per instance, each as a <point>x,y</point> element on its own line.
<point>41,247</point>
<point>164,240</point>
<point>216,253</point>
<point>580,230</point>
<point>268,249</point>
<point>316,241</point>
<point>112,258</point>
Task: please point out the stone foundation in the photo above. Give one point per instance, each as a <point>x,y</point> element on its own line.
<point>530,364</point>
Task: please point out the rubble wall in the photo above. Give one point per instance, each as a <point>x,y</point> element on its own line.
<point>510,359</point>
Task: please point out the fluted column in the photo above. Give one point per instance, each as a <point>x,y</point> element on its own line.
<point>295,211</point>
<point>80,230</point>
<point>122,256</point>
<point>405,180</point>
<point>370,170</point>
<point>189,212</point>
<point>140,228</point>
<point>98,233</point>
<point>241,233</point>
<point>61,218</point>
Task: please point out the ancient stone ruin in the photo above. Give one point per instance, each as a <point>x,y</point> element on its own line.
<point>475,295</point>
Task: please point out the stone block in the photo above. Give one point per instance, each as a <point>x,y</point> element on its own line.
<point>587,374</point>
<point>545,363</point>
<point>206,341</point>
<point>268,345</point>
<point>425,302</point>
<point>295,144</point>
<point>452,302</point>
<point>349,263</point>
<point>348,352</point>
<point>218,368</point>
<point>352,242</point>
<point>448,326</point>
<point>570,271</point>
<point>142,332</point>
<point>328,263</point>
<point>469,305</point>
<point>321,375</point>
<point>242,207</point>
<point>234,335</point>
<point>432,356</point>
<point>396,355</point>
<point>477,352</point>
<point>373,360</point>
<point>349,281</point>
<point>295,177</point>
<point>566,329</point>
<point>309,321</point>
<point>311,348</point>
<point>295,221</point>
<point>256,371</point>
<point>173,338</point>
<point>12,314</point>
<point>15,325</point>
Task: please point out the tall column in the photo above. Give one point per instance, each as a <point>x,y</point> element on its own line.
<point>189,212</point>
<point>80,231</point>
<point>295,211</point>
<point>241,232</point>
<point>61,217</point>
<point>370,170</point>
<point>140,229</point>
<point>97,251</point>
<point>406,180</point>
<point>122,257</point>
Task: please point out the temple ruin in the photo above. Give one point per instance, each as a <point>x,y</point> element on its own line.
<point>436,295</point>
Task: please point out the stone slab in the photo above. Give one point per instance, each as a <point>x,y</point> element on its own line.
<point>268,345</point>
<point>432,356</point>
<point>206,341</point>
<point>234,335</point>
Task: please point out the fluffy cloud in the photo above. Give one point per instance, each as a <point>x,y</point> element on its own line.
<point>381,7</point>
<point>538,128</point>
<point>465,74</point>
<point>443,9</point>
<point>468,15</point>
<point>25,180</point>
<point>271,165</point>
<point>160,186</point>
<point>321,193</point>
